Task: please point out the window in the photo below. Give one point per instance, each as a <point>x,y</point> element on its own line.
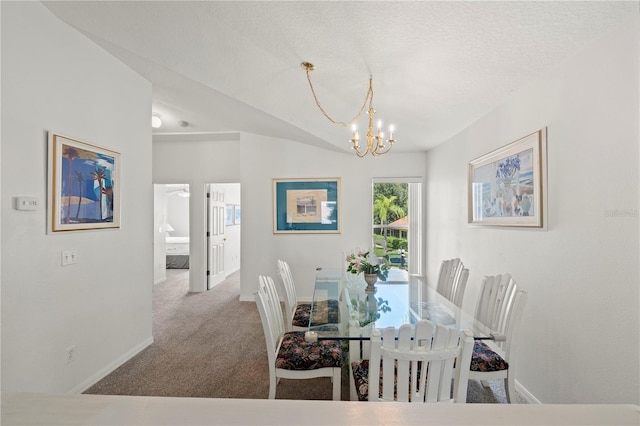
<point>397,222</point>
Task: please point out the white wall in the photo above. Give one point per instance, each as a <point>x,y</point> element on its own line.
<point>55,79</point>
<point>253,161</point>
<point>264,159</point>
<point>178,215</point>
<point>580,331</point>
<point>159,233</point>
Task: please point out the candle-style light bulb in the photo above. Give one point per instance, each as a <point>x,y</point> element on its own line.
<point>391,131</point>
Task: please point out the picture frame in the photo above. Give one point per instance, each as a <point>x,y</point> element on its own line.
<point>236,215</point>
<point>232,215</point>
<point>84,185</point>
<point>507,187</point>
<point>229,215</point>
<point>309,205</point>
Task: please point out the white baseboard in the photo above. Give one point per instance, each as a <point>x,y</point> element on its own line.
<point>528,396</point>
<point>227,273</point>
<point>95,378</point>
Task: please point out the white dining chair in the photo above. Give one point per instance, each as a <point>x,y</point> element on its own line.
<point>416,364</point>
<point>289,354</point>
<point>498,314</point>
<point>452,280</point>
<point>297,313</point>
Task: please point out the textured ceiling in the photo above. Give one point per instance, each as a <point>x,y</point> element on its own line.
<point>436,66</point>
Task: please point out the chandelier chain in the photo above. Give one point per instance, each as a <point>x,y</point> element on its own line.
<point>376,144</point>
<point>368,98</point>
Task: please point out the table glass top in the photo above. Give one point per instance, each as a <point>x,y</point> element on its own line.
<point>340,303</point>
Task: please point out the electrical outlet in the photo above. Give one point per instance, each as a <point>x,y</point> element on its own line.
<point>27,203</point>
<point>71,354</point>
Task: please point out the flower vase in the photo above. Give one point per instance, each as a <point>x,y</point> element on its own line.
<point>371,279</point>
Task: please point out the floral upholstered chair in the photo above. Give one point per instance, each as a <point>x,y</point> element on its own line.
<point>499,311</point>
<point>290,355</point>
<point>298,314</point>
<point>415,367</point>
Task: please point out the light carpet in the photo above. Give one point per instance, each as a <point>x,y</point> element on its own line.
<point>211,345</point>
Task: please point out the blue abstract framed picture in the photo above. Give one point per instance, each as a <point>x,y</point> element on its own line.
<point>507,186</point>
<point>84,185</point>
<point>306,205</point>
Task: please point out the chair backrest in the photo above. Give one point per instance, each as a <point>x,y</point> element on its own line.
<point>419,365</point>
<point>452,280</point>
<point>270,315</point>
<point>380,241</point>
<point>499,309</point>
<point>290,298</point>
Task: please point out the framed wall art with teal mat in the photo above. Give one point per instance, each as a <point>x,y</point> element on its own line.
<point>309,205</point>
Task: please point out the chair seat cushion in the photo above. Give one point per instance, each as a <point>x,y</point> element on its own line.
<point>361,378</point>
<point>484,359</point>
<point>301,315</point>
<point>326,312</point>
<point>360,370</point>
<point>297,354</point>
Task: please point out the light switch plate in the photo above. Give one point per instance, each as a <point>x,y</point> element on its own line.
<point>69,257</point>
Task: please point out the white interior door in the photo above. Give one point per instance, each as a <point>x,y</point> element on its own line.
<point>215,235</point>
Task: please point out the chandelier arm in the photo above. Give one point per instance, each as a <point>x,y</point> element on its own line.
<point>359,153</point>
<point>379,152</point>
<point>368,97</point>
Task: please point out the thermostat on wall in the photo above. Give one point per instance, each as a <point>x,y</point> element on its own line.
<point>27,203</point>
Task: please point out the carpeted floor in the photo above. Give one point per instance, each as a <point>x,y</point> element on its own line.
<point>211,345</point>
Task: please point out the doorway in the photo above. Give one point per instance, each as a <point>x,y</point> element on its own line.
<point>196,229</point>
<point>172,228</point>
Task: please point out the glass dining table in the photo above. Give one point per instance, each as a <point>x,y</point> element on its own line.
<point>342,309</point>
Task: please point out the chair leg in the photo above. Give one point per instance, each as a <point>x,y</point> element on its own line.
<point>273,382</point>
<point>460,390</point>
<point>510,389</point>
<point>337,375</point>
<point>353,396</point>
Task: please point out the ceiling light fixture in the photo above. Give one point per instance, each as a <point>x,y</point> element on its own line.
<point>155,120</point>
<point>375,142</point>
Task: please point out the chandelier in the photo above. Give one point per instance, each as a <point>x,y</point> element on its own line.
<point>376,143</point>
